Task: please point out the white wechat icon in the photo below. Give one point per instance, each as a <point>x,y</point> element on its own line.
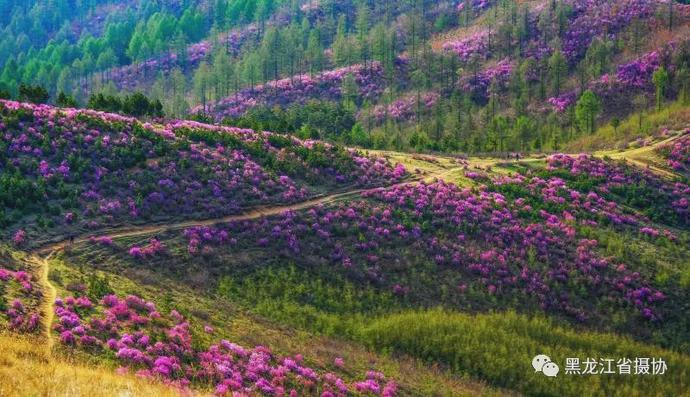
<point>542,363</point>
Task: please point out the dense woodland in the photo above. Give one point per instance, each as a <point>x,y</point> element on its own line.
<point>442,76</point>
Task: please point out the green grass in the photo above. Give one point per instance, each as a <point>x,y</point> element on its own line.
<point>492,347</point>
<point>673,117</point>
<point>499,348</point>
<point>234,322</point>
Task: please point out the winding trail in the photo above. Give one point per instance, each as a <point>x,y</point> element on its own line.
<point>643,157</point>
<point>251,213</point>
<point>49,296</point>
<point>42,255</point>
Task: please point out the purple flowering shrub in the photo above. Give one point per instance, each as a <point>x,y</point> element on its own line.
<point>474,46</point>
<point>479,84</point>
<point>405,109</point>
<point>677,153</point>
<point>591,18</point>
<point>656,199</point>
<point>155,247</point>
<point>95,168</point>
<point>299,89</point>
<point>482,247</point>
<point>477,5</point>
<point>20,296</point>
<point>139,75</point>
<point>141,339</point>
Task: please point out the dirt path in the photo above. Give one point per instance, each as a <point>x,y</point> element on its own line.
<point>642,157</point>
<point>49,296</point>
<point>131,231</point>
<point>41,256</point>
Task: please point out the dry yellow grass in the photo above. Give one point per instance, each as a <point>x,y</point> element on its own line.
<point>26,370</point>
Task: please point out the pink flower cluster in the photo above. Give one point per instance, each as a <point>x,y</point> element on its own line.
<point>405,109</point>
<point>638,73</point>
<point>561,103</point>
<point>20,299</point>
<point>298,89</point>
<point>479,84</point>
<point>135,334</point>
<point>477,5</point>
<point>476,45</point>
<point>140,171</point>
<point>677,153</point>
<point>155,247</point>
<point>19,237</point>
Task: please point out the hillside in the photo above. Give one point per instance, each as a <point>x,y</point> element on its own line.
<point>70,170</point>
<point>328,275</point>
<point>339,198</point>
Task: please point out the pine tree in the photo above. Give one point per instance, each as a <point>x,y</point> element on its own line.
<point>362,27</point>
<point>586,110</point>
<point>350,92</point>
<point>683,77</point>
<point>201,84</point>
<point>558,71</point>
<point>660,79</point>
<point>315,52</point>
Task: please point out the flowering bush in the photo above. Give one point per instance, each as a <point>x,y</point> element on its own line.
<point>20,297</point>
<point>474,46</point>
<point>19,237</point>
<point>515,240</point>
<point>299,89</point>
<point>405,109</point>
<point>638,73</point>
<point>134,333</point>
<point>677,153</point>
<point>103,168</point>
<point>561,103</point>
<point>478,84</point>
<point>477,5</point>
<point>155,247</point>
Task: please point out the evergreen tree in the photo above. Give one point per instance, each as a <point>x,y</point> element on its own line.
<point>683,77</point>
<point>660,79</point>
<point>523,131</point>
<point>66,101</point>
<point>202,79</point>
<point>33,94</point>
<point>315,52</point>
<point>558,71</point>
<point>587,109</point>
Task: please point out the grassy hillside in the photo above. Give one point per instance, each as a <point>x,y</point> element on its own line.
<point>232,322</point>
<point>304,293</point>
<point>68,171</point>
<point>26,370</point>
<point>509,341</point>
<point>344,197</point>
<point>623,296</point>
<point>638,130</point>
